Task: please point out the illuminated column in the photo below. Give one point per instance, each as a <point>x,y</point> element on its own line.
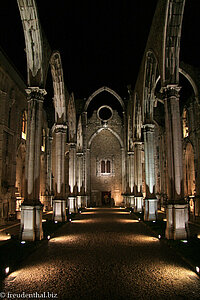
<point>177,211</point>
<point>123,170</point>
<point>59,201</point>
<point>72,179</point>
<point>131,178</point>
<point>48,196</point>
<point>79,178</point>
<point>31,209</point>
<point>87,177</point>
<point>150,211</point>
<point>84,198</point>
<point>138,176</point>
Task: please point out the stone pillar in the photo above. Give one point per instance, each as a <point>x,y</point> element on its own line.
<point>31,209</point>
<point>80,187</point>
<point>131,178</point>
<point>59,202</point>
<point>177,218</point>
<point>79,202</point>
<point>132,201</point>
<point>72,205</point>
<point>123,170</point>
<point>150,209</point>
<point>138,176</point>
<point>87,177</point>
<point>48,195</point>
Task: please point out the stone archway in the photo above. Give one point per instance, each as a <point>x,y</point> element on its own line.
<point>100,90</point>
<point>106,167</point>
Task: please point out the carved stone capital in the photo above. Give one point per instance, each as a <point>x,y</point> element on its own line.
<point>149,127</point>
<point>60,128</point>
<point>137,143</point>
<point>79,154</point>
<point>130,153</point>
<point>72,145</point>
<point>35,93</point>
<point>171,91</point>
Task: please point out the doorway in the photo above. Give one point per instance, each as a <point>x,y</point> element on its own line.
<point>106,198</point>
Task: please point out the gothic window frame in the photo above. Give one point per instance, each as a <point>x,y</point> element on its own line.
<point>185,123</point>
<point>105,167</point>
<point>24,125</point>
<point>43,145</point>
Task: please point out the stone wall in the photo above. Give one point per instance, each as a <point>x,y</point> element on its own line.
<point>12,104</point>
<point>105,146</point>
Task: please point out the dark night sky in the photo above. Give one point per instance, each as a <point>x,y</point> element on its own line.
<point>101,42</point>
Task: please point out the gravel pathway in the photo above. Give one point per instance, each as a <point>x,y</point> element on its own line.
<point>105,254</point>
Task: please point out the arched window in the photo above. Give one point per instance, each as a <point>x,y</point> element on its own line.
<point>43,140</point>
<point>185,124</point>
<point>108,166</point>
<point>103,166</point>
<point>24,125</point>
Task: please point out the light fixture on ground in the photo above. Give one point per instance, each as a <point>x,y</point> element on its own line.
<point>184,241</point>
<point>198,270</point>
<point>48,237</point>
<point>23,242</point>
<point>7,270</point>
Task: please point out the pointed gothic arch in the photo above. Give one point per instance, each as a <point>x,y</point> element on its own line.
<point>33,41</point>
<point>137,119</point>
<point>79,136</point>
<point>71,117</point>
<point>108,129</point>
<point>172,36</point>
<point>150,76</point>
<point>59,87</point>
<point>191,81</point>
<point>103,89</point>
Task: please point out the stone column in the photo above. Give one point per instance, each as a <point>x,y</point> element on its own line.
<point>150,209</point>
<point>138,176</point>
<point>131,178</point>
<point>123,170</point>
<point>48,194</point>
<point>31,210</point>
<point>177,211</point>
<point>59,201</point>
<point>72,205</point>
<point>79,178</point>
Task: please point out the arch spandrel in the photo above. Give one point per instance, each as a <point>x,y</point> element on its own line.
<point>33,41</point>
<point>59,87</point>
<point>100,90</point>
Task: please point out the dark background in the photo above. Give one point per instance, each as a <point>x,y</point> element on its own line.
<point>101,42</point>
